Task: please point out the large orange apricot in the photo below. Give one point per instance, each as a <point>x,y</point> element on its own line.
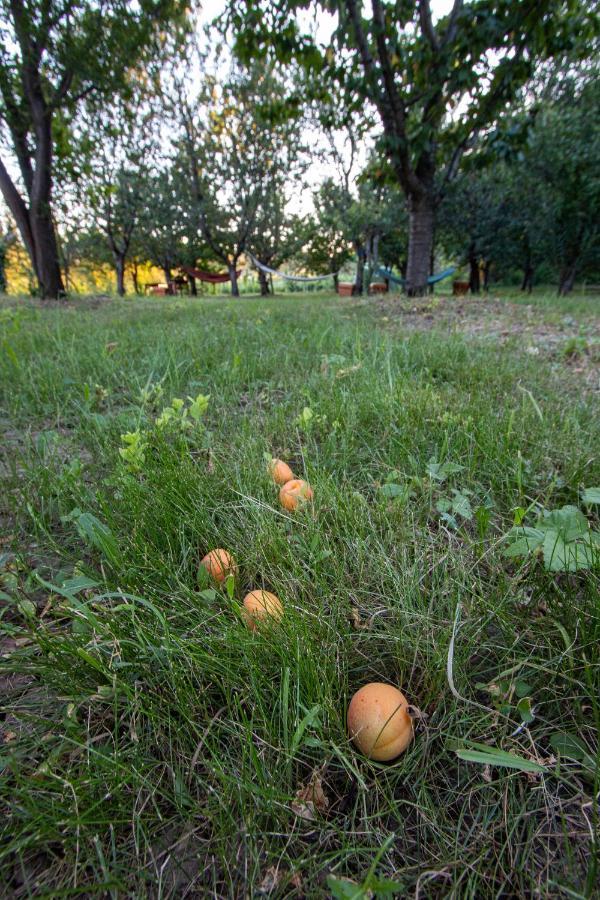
<point>219,564</point>
<point>379,722</point>
<point>295,493</point>
<point>260,606</point>
<point>280,472</point>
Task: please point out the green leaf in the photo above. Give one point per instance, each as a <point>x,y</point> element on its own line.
<point>524,540</point>
<point>569,522</point>
<point>461,505</point>
<point>525,710</point>
<point>591,496</point>
<point>492,756</point>
<point>572,747</point>
<point>345,889</point>
<point>392,490</point>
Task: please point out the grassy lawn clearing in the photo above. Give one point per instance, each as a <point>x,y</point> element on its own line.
<point>151,745</point>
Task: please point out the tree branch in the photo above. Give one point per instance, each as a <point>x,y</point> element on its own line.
<point>427,25</point>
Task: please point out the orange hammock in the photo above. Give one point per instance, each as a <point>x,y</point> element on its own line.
<point>210,277</point>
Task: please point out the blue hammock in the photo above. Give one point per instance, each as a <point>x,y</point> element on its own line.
<point>433,279</point>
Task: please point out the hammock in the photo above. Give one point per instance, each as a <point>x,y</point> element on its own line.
<point>433,279</point>
<point>277,274</point>
<point>210,277</point>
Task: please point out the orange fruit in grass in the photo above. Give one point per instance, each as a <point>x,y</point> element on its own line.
<point>219,564</point>
<point>379,722</point>
<point>280,472</point>
<point>261,606</point>
<point>295,493</point>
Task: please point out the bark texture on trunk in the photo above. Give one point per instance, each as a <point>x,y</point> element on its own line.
<point>486,275</point>
<point>192,284</point>
<point>134,277</point>
<point>235,291</point>
<point>421,224</point>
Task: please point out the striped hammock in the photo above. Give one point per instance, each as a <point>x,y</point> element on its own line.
<point>277,274</point>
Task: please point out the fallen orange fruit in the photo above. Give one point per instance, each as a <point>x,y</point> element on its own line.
<point>379,722</point>
<point>280,472</point>
<point>260,606</point>
<point>219,564</point>
<point>294,493</point>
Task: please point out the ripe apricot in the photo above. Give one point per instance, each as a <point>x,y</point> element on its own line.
<point>280,472</point>
<point>294,493</point>
<point>219,564</point>
<point>259,606</point>
<point>379,722</point>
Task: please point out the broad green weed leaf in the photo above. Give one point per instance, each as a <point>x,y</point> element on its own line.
<point>591,496</point>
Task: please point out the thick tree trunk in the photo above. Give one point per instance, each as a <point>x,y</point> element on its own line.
<point>567,279</point>
<point>336,281</point>
<point>264,283</point>
<point>120,273</point>
<point>2,268</point>
<point>168,277</point>
<point>421,224</point>
<point>47,264</point>
<point>235,291</point>
<point>192,284</point>
<point>474,277</point>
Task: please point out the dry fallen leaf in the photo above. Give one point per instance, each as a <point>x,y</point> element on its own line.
<point>9,736</point>
<point>341,373</point>
<point>271,880</point>
<point>356,619</point>
<point>111,346</point>
<point>311,798</point>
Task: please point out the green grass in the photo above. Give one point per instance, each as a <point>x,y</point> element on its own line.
<point>152,746</point>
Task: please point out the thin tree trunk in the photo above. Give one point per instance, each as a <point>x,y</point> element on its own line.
<point>2,268</point>
<point>264,283</point>
<point>527,283</point>
<point>134,277</point>
<point>192,284</point>
<point>421,222</point>
<point>474,277</point>
<point>336,281</point>
<point>432,266</point>
<point>360,269</point>
<point>235,291</point>
<point>567,279</point>
<point>486,275</point>
<point>168,277</point>
<point>120,273</point>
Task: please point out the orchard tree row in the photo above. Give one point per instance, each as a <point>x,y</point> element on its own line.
<point>127,139</point>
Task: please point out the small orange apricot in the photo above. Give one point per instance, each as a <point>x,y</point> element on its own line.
<point>280,472</point>
<point>260,605</point>
<point>379,722</point>
<point>219,564</point>
<point>294,493</point>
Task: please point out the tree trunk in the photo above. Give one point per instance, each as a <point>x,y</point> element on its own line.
<point>486,275</point>
<point>47,264</point>
<point>421,223</point>
<point>432,267</point>
<point>2,268</point>
<point>567,279</point>
<point>192,284</point>
<point>264,283</point>
<point>120,273</point>
<point>235,291</point>
<point>527,283</point>
<point>134,277</point>
<point>168,277</point>
<point>474,278</point>
<point>359,280</point>
<point>336,281</point>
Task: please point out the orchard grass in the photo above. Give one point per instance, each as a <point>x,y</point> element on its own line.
<point>151,745</point>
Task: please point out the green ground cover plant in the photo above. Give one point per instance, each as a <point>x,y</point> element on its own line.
<point>152,746</point>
